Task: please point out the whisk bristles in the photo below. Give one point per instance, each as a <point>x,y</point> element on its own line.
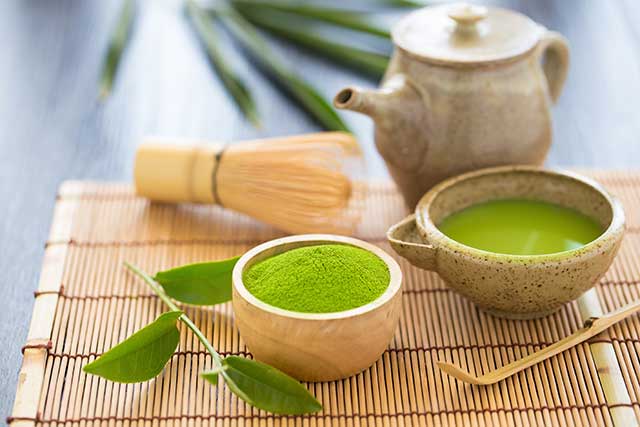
<point>301,184</point>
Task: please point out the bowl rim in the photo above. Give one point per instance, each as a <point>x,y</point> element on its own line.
<point>395,279</point>
<point>436,237</point>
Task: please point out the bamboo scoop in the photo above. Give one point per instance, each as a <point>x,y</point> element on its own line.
<point>300,184</point>
<point>592,327</point>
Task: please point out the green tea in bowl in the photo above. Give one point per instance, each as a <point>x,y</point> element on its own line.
<point>319,307</point>
<point>319,279</point>
<point>519,241</point>
<point>520,227</point>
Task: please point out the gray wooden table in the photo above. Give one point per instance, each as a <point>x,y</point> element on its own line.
<point>53,128</point>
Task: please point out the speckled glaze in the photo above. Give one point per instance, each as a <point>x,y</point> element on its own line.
<point>435,119</point>
<point>512,286</point>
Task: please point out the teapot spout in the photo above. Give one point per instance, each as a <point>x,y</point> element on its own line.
<point>359,100</point>
<point>401,110</point>
<point>390,100</point>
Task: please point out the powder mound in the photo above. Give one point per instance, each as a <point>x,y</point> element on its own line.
<point>319,279</point>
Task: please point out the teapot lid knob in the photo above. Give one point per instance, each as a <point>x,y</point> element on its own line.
<point>467,15</point>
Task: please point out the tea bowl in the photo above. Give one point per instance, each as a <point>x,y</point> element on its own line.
<point>512,286</point>
<point>316,346</point>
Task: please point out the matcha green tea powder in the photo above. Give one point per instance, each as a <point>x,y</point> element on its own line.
<point>319,279</point>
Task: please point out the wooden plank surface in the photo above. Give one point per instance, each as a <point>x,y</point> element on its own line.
<point>52,127</point>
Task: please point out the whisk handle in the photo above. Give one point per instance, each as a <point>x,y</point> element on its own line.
<point>176,171</point>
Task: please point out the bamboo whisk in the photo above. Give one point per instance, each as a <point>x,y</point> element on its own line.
<point>300,184</point>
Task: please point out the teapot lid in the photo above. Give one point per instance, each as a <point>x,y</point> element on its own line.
<point>466,34</point>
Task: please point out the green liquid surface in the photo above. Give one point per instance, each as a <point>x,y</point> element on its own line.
<point>520,227</point>
<point>318,279</point>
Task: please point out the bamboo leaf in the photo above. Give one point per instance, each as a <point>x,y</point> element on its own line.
<point>340,17</point>
<point>117,44</point>
<point>205,283</point>
<point>143,355</point>
<point>279,23</point>
<point>267,388</point>
<point>300,90</point>
<point>208,34</point>
<point>315,104</point>
<point>402,3</point>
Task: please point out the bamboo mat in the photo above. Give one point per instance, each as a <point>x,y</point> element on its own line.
<point>87,302</point>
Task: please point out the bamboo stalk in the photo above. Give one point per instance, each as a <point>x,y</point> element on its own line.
<point>35,352</point>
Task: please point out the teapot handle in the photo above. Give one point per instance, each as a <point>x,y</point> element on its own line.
<point>553,52</point>
<point>406,241</point>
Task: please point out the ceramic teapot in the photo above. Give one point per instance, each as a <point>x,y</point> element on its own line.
<point>467,87</point>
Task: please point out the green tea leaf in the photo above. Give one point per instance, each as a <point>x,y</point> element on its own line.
<point>212,375</point>
<point>143,355</point>
<point>117,44</point>
<point>205,283</point>
<point>267,388</point>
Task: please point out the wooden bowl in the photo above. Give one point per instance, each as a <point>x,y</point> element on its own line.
<point>316,346</point>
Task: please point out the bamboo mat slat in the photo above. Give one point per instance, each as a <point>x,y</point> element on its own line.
<point>86,302</point>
